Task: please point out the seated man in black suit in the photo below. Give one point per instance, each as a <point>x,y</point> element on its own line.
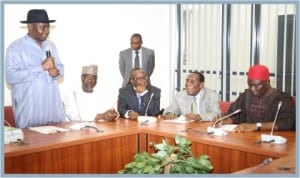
<point>138,98</point>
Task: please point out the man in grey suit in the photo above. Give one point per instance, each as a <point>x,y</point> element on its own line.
<point>195,102</point>
<point>138,97</point>
<point>136,57</point>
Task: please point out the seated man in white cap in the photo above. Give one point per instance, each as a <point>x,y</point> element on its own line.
<point>84,103</point>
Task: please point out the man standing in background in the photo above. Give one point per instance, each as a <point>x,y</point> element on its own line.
<point>136,57</point>
<point>33,69</point>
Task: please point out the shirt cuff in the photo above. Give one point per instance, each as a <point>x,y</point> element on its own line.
<point>126,114</point>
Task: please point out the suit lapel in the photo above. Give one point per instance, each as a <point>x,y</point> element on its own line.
<point>135,104</point>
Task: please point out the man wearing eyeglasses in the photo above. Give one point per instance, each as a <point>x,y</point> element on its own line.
<point>138,98</point>
<point>196,102</point>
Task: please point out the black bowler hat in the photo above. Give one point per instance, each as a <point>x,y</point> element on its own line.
<point>37,16</point>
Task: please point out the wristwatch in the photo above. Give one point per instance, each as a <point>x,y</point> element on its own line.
<point>258,125</point>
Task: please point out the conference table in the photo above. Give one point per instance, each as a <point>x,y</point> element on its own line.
<point>85,151</point>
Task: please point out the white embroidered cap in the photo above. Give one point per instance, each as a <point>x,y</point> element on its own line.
<point>92,69</point>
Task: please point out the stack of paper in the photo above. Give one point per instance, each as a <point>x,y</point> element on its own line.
<point>12,134</point>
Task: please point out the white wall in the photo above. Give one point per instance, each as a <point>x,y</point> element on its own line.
<point>94,34</point>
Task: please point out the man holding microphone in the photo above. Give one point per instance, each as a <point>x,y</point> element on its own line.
<point>33,69</point>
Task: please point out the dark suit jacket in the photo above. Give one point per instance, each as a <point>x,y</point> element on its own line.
<point>128,100</point>
<point>125,63</point>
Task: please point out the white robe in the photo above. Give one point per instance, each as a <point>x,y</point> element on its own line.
<point>83,106</point>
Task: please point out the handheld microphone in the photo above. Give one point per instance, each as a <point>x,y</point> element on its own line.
<point>146,111</point>
<point>273,138</point>
<point>48,53</point>
<point>227,116</point>
<point>278,108</point>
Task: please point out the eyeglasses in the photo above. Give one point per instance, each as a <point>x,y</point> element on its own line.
<point>141,78</point>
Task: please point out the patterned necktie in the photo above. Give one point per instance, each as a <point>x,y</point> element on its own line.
<point>194,106</point>
<point>136,60</point>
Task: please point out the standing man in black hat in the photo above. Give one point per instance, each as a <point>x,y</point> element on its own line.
<point>33,68</point>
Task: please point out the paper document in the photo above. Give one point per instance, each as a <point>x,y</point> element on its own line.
<point>48,129</point>
<point>146,120</point>
<point>228,127</point>
<point>221,130</point>
<point>179,120</point>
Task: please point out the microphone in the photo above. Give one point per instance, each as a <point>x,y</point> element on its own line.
<point>273,138</point>
<point>77,106</point>
<point>146,111</point>
<point>227,116</point>
<point>278,108</point>
<point>78,126</point>
<point>48,53</point>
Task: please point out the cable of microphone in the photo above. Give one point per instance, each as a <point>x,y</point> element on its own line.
<point>227,116</point>
<point>146,111</point>
<point>278,108</point>
<point>93,127</point>
<point>262,164</point>
<point>266,161</point>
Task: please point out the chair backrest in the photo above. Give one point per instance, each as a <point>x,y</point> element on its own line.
<point>9,116</point>
<point>294,100</point>
<point>224,106</point>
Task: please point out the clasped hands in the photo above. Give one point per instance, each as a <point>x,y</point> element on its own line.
<point>49,65</point>
<point>188,116</point>
<point>109,115</point>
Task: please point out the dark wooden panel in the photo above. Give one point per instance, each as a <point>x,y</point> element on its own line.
<point>284,165</point>
<point>85,151</point>
<point>224,160</point>
<point>105,156</point>
<point>143,142</point>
